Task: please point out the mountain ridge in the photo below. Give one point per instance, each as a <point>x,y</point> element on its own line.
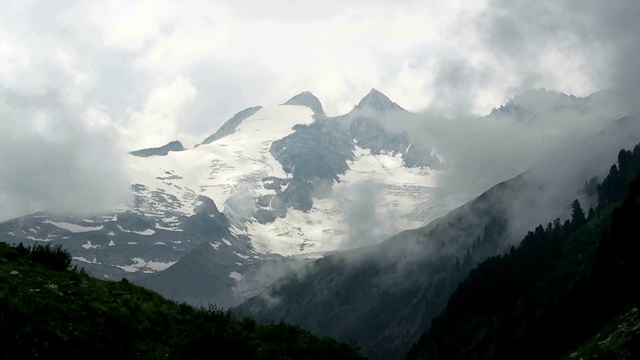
<point>306,98</point>
<point>407,274</point>
<point>159,151</point>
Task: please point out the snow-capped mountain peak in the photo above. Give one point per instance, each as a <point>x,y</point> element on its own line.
<point>277,180</point>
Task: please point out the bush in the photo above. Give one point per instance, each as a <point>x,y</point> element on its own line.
<point>53,257</point>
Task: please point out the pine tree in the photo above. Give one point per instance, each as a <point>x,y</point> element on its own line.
<point>577,214</point>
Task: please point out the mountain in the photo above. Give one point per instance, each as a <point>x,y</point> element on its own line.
<point>309,100</point>
<point>306,209</point>
<point>273,189</point>
<point>529,106</point>
<point>159,151</point>
<point>378,101</point>
<point>564,287</point>
<point>384,296</point>
<point>272,182</point>
<point>48,310</point>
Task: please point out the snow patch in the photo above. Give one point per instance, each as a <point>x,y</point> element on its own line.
<point>160,227</point>
<point>147,232</point>
<point>145,266</point>
<point>83,259</point>
<point>241,256</point>
<point>73,227</point>
<point>235,276</point>
<point>159,266</point>
<point>37,239</point>
<point>89,245</point>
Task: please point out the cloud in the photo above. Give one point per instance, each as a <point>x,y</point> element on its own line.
<point>367,220</point>
<point>53,159</point>
<point>458,84</point>
<point>157,122</point>
<point>570,46</point>
<point>480,152</point>
<point>216,58</point>
<point>615,26</point>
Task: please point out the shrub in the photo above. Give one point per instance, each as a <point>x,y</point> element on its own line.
<point>53,257</point>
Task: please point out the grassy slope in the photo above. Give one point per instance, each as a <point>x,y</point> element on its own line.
<point>45,312</point>
<point>614,341</point>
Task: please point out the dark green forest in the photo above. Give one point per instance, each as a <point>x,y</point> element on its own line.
<point>49,310</point>
<point>569,290</point>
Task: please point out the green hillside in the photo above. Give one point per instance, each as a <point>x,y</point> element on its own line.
<point>48,310</point>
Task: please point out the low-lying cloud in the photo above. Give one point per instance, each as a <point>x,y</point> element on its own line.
<point>51,158</point>
<point>368,221</point>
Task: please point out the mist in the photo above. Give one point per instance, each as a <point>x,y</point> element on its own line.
<point>55,158</point>
<point>367,220</point>
<point>538,129</point>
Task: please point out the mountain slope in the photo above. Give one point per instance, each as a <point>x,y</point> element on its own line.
<point>382,297</point>
<point>558,288</point>
<point>273,180</point>
<point>230,126</point>
<point>47,310</point>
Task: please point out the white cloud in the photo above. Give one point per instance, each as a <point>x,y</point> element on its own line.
<point>164,70</point>
<point>50,159</point>
<point>157,122</point>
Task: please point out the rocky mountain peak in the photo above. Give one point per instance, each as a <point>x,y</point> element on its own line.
<point>378,101</point>
<point>306,98</point>
<point>160,151</point>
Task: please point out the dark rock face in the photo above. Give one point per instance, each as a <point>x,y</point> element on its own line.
<point>200,278</point>
<point>314,155</point>
<point>309,100</point>
<point>369,125</point>
<point>230,126</point>
<point>370,134</point>
<point>159,151</point>
<point>379,102</point>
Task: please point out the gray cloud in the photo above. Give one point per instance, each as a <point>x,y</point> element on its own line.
<point>305,11</point>
<point>457,85</point>
<point>50,159</point>
<point>223,90</point>
<point>538,124</point>
<point>617,25</point>
<point>367,222</point>
<point>603,33</point>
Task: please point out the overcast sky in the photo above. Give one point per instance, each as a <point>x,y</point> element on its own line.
<point>91,79</point>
